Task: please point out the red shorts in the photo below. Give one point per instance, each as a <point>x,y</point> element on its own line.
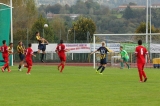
<point>62,58</point>
<point>29,62</point>
<point>6,59</point>
<point>140,66</point>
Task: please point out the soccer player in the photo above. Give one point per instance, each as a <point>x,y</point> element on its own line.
<point>141,52</point>
<point>42,45</point>
<point>60,50</point>
<point>5,55</point>
<point>28,58</point>
<point>103,52</point>
<point>124,57</point>
<point>20,50</point>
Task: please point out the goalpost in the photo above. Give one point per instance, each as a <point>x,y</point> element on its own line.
<point>123,38</point>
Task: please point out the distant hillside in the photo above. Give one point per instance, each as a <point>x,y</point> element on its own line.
<point>110,3</point>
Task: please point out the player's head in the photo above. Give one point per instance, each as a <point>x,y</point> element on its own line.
<point>139,42</point>
<point>20,43</point>
<point>121,47</point>
<point>11,44</point>
<point>103,43</point>
<point>4,41</point>
<point>29,45</point>
<point>61,41</point>
<point>37,33</point>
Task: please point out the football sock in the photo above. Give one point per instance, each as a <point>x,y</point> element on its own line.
<point>140,75</point>
<point>62,67</point>
<point>102,69</point>
<point>35,52</point>
<point>29,69</point>
<point>127,65</point>
<point>144,74</point>
<point>42,56</point>
<point>99,68</point>
<point>121,64</point>
<point>19,67</point>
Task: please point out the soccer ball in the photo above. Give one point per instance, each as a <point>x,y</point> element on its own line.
<point>45,25</point>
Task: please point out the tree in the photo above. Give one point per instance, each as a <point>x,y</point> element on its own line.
<point>39,26</point>
<point>128,13</point>
<point>83,27</point>
<point>142,29</point>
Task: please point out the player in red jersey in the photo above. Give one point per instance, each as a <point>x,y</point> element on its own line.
<point>5,55</point>
<point>60,50</point>
<point>28,58</point>
<point>141,52</point>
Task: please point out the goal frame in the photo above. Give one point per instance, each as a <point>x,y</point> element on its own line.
<point>129,34</point>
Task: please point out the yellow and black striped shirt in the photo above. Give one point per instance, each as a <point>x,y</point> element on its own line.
<point>20,49</point>
<point>38,39</point>
<point>9,49</point>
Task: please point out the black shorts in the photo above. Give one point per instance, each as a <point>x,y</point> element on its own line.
<point>42,47</point>
<point>103,61</point>
<point>21,56</point>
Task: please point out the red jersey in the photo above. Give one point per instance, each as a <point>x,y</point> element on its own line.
<point>61,49</point>
<point>4,50</point>
<point>29,53</point>
<point>141,52</point>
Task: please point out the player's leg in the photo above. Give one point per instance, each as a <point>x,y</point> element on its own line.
<point>104,62</point>
<point>126,62</point>
<point>43,52</point>
<point>139,66</point>
<point>21,56</point>
<point>101,63</point>
<point>144,74</point>
<point>121,63</point>
<point>63,61</point>
<point>7,63</point>
<point>29,64</point>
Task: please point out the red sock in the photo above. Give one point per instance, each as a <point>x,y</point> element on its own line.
<point>144,74</point>
<point>6,65</point>
<point>29,69</point>
<point>62,67</point>
<point>59,65</point>
<point>140,75</point>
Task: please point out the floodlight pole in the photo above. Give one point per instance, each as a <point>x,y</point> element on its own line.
<point>11,29</point>
<point>146,21</point>
<point>94,55</point>
<point>150,29</point>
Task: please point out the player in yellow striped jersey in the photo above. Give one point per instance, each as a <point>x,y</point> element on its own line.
<point>21,50</point>
<point>42,45</point>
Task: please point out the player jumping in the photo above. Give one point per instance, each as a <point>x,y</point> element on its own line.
<point>103,53</point>
<point>42,45</point>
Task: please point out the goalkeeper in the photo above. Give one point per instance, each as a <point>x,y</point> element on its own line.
<point>124,57</point>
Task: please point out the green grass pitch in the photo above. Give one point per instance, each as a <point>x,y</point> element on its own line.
<point>79,86</point>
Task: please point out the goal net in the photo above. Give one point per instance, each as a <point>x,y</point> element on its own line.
<point>129,42</point>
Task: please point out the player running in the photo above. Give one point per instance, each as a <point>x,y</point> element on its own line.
<point>42,45</point>
<point>20,50</point>
<point>103,53</point>
<point>5,54</point>
<point>60,50</point>
<point>124,57</point>
<point>141,52</point>
<point>28,58</point>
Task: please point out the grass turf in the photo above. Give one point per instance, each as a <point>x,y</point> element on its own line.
<point>78,86</point>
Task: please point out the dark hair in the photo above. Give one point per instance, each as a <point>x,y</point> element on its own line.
<point>61,41</point>
<point>36,33</point>
<point>29,45</point>
<point>139,42</point>
<point>121,46</point>
<point>10,44</point>
<point>4,41</point>
<point>19,42</point>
